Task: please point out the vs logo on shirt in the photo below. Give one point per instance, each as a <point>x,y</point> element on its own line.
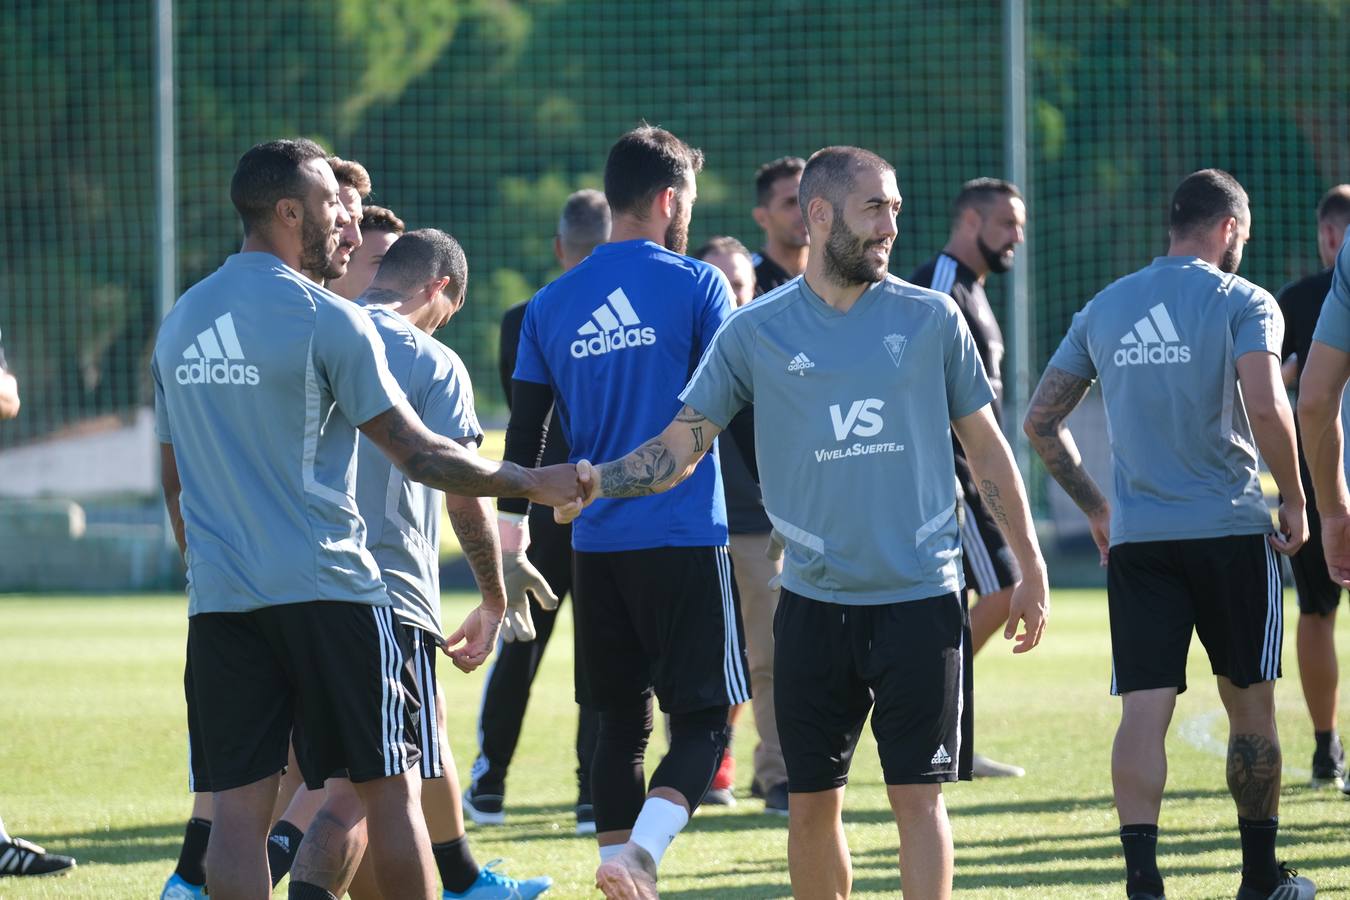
<point>863,419</point>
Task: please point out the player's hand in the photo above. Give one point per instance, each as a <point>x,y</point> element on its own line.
<point>1336,547</point>
<point>558,485</point>
<point>774,552</point>
<point>1293,531</point>
<point>588,478</point>
<point>1099,523</point>
<point>1030,605</point>
<point>470,646</point>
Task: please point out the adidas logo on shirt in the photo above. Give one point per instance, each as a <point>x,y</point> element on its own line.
<point>215,357</point>
<point>941,757</point>
<point>612,326</point>
<point>800,363</point>
<point>1152,341</point>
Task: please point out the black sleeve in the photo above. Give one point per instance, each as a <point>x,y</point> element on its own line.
<point>742,429</point>
<point>526,432</point>
<point>507,345</point>
<point>1290,345</point>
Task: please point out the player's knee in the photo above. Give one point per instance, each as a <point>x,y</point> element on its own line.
<point>705,726</point>
<point>626,728</point>
<point>697,741</point>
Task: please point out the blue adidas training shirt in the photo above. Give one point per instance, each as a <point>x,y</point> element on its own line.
<point>616,338</point>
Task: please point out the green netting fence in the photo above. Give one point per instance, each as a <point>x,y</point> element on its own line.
<point>480,116</point>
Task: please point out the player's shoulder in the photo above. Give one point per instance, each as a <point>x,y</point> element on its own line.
<point>923,275</point>
<point>395,330</point>
<point>1242,293</point>
<point>439,355</point>
<point>514,315</point>
<point>768,306</point>
<point>937,302</point>
<point>1309,290</point>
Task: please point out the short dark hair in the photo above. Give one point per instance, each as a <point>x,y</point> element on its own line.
<point>419,256</point>
<point>724,244</point>
<point>270,172</point>
<point>767,175</point>
<point>377,218</point>
<point>829,173</point>
<point>585,222</point>
<point>1334,206</point>
<point>977,192</point>
<point>1205,198</point>
<point>644,162</point>
<point>350,173</point>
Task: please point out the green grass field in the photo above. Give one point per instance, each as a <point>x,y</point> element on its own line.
<point>92,746</point>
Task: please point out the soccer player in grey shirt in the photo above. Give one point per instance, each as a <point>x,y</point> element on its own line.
<point>261,381</point>
<point>1320,391</point>
<point>418,288</point>
<point>1188,358</point>
<point>858,380</point>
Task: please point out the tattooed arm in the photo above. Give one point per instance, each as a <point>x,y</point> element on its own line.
<point>475,524</point>
<point>441,463</point>
<point>662,462</point>
<point>1058,394</point>
<point>656,466</point>
<point>991,461</point>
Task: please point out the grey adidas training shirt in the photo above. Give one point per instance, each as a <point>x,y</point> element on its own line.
<point>1165,343</point>
<point>852,430</point>
<point>403,517</point>
<point>261,377</point>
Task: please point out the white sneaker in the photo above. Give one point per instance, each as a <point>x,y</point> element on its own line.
<point>984,767</point>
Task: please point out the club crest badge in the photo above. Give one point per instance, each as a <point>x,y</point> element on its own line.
<point>895,346</point>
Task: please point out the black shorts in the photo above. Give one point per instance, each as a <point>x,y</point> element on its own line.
<point>422,661</point>
<point>1317,593</point>
<point>335,673</point>
<point>667,619</point>
<point>832,660</point>
<point>1226,589</point>
<point>988,560</point>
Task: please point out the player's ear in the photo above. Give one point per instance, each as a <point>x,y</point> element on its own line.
<point>819,211</point>
<point>760,215</point>
<point>665,200</point>
<point>435,286</point>
<point>291,212</point>
<point>558,250</point>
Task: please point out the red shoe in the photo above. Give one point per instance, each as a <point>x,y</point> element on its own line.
<point>719,792</point>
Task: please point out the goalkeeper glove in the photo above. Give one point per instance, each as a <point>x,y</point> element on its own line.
<point>521,578</point>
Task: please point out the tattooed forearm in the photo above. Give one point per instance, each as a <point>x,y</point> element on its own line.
<point>440,462</point>
<point>642,472</point>
<point>465,474</point>
<point>1065,466</point>
<point>1254,775</point>
<point>1058,394</point>
<point>477,532</point>
<point>994,503</point>
<point>697,432</point>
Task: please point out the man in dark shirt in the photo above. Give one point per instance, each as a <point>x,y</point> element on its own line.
<point>584,224</point>
<point>1318,595</point>
<point>988,222</point>
<point>784,255</point>
<point>756,574</point>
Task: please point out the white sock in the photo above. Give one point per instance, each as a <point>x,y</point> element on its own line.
<point>609,852</point>
<point>657,825</point>
<point>4,835</point>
